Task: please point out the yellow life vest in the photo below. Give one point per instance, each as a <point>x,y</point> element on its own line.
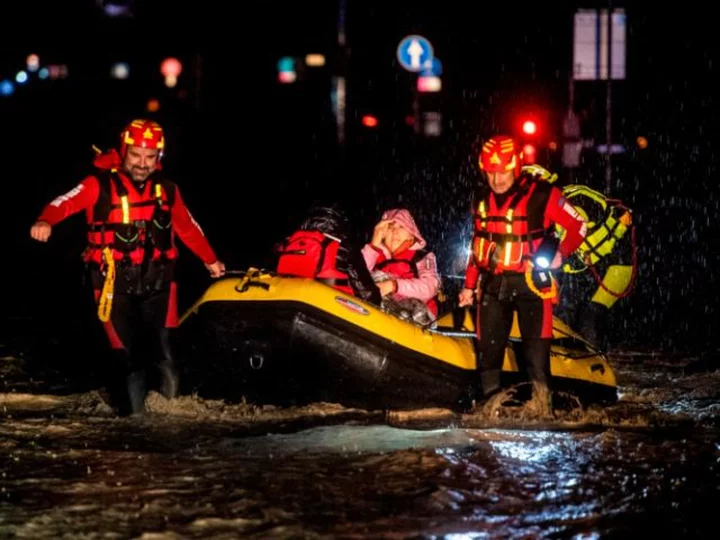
<point>602,236</point>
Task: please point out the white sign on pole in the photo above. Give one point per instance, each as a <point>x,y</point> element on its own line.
<point>585,45</point>
<point>618,44</point>
<point>432,124</point>
<point>590,45</point>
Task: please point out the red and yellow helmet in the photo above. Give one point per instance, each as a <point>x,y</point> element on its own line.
<point>499,154</point>
<point>142,133</point>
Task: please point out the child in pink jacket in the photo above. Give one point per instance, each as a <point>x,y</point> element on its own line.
<point>404,271</point>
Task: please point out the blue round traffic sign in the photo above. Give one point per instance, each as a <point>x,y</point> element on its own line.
<point>413,52</point>
<point>432,67</point>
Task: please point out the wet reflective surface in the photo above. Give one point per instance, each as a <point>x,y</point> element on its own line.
<point>197,469</point>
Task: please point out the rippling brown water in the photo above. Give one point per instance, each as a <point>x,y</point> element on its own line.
<point>197,469</point>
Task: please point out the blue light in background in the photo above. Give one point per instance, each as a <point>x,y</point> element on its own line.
<point>6,87</point>
<point>286,64</point>
<point>21,77</point>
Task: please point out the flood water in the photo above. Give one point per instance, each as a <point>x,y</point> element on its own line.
<point>192,468</point>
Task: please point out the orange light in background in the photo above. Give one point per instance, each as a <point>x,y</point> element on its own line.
<point>315,60</point>
<point>170,81</point>
<point>369,121</point>
<point>153,105</point>
<point>33,62</point>
<point>529,127</point>
<point>552,145</point>
<point>642,142</point>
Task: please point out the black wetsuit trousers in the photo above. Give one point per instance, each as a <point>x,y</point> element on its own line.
<point>494,323</point>
<point>139,336</point>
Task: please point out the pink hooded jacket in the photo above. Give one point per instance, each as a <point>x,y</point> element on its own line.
<point>427,285</point>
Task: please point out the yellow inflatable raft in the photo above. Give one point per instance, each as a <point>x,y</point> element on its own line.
<point>279,340</point>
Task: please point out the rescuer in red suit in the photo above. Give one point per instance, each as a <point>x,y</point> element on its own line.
<point>133,213</point>
<point>514,252</point>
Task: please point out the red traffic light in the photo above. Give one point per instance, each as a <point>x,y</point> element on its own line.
<point>529,127</point>
<point>369,121</point>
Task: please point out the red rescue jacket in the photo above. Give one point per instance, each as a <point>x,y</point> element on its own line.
<point>514,230</point>
<point>130,219</point>
<point>403,265</point>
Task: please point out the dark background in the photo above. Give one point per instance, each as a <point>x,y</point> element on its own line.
<point>250,154</point>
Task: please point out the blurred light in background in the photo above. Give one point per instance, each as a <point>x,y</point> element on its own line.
<point>529,154</point>
<point>6,87</point>
<point>286,63</point>
<point>33,62</point>
<point>171,67</point>
<point>120,70</point>
<point>58,71</point>
<point>286,77</point>
<point>642,142</point>
<point>369,121</point>
<point>429,83</point>
<point>21,77</point>
<point>552,145</point>
<point>153,105</point>
<point>286,70</point>
<point>315,60</point>
<point>43,73</point>
<point>529,127</point>
<point>116,8</point>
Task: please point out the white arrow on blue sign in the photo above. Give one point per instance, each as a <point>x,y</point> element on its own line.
<point>413,52</point>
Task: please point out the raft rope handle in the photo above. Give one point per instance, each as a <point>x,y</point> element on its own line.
<point>106,296</point>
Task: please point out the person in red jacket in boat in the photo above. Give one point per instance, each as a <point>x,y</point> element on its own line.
<point>133,213</point>
<point>514,252</point>
<point>404,270</point>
